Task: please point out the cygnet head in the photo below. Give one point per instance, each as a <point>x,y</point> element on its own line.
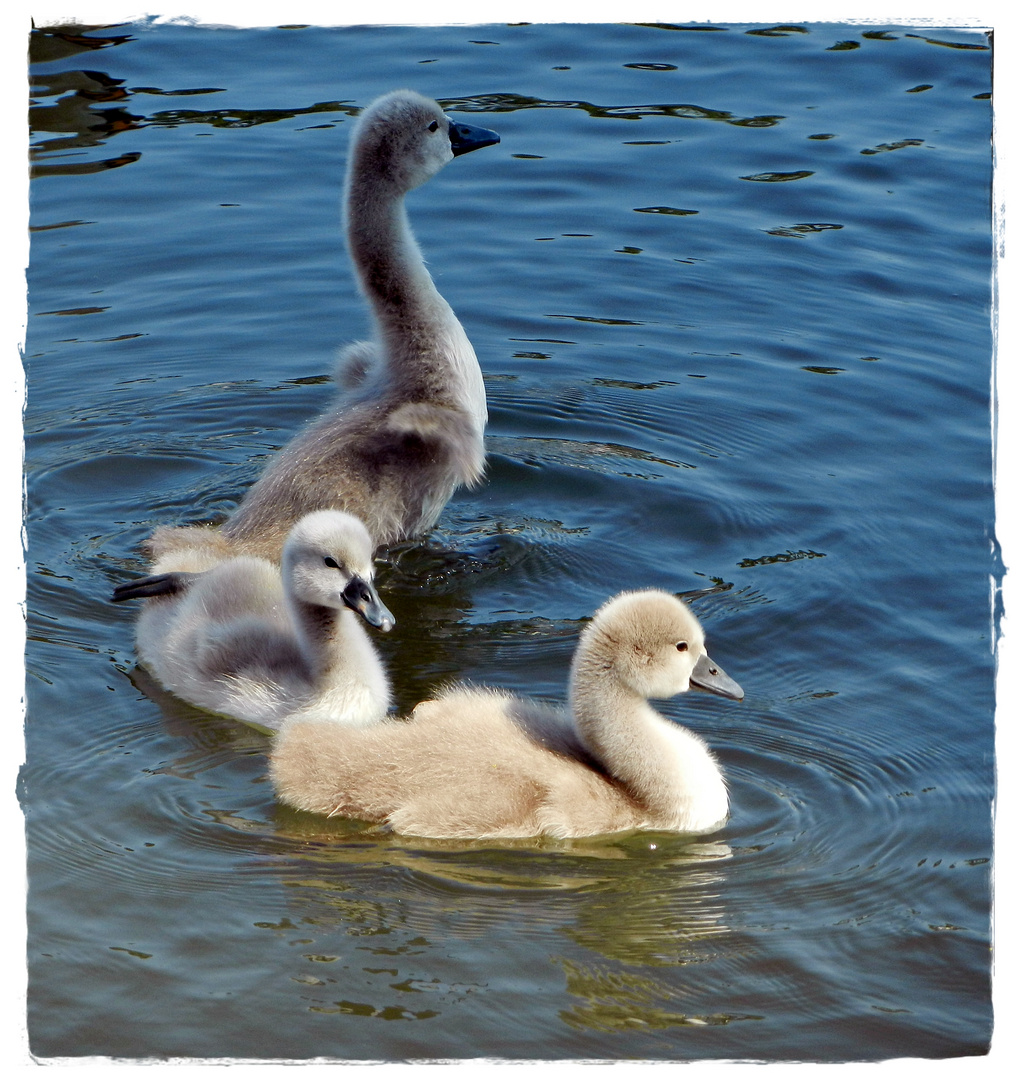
<point>654,646</point>
<point>327,561</point>
<point>406,138</point>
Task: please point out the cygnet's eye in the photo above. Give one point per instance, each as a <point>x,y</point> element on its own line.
<point>681,646</point>
<point>434,126</point>
<point>331,563</point>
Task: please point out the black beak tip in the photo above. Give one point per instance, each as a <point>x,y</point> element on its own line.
<point>466,137</point>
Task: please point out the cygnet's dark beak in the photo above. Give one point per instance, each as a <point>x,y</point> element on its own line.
<point>711,677</point>
<point>466,137</point>
<point>360,596</point>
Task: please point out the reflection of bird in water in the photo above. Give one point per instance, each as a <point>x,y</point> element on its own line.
<point>81,125</point>
<point>477,763</point>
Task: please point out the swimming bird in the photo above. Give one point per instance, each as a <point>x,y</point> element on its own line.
<point>410,429</point>
<point>483,763</point>
<point>261,643</point>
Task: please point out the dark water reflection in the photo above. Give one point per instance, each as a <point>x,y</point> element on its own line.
<point>729,287</point>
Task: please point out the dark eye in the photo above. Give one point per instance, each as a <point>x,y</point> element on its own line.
<point>681,646</point>
<point>331,563</point>
<point>434,126</point>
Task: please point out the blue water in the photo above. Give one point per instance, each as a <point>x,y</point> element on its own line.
<point>730,288</point>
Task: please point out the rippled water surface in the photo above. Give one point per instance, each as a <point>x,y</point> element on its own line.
<point>730,290</point>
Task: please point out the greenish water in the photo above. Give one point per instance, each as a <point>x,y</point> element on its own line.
<point>730,290</point>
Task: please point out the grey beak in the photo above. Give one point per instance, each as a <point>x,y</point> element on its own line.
<point>710,677</point>
<point>360,596</point>
<point>466,137</point>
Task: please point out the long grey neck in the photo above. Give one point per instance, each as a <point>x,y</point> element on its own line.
<point>418,330</point>
<point>388,260</point>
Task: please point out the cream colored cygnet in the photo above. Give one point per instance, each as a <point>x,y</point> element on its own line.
<point>483,763</point>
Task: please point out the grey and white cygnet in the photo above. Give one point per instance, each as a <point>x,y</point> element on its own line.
<point>476,763</point>
<point>263,643</point>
